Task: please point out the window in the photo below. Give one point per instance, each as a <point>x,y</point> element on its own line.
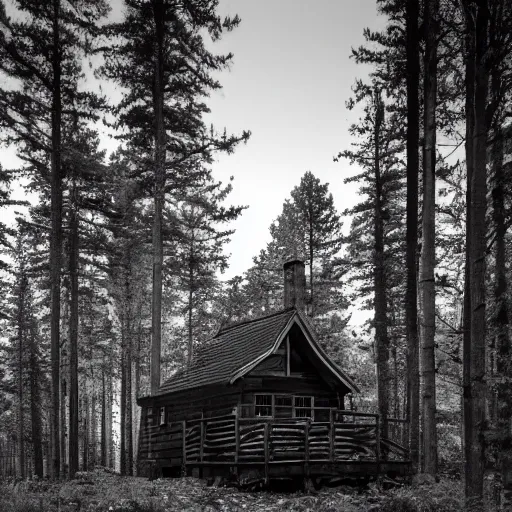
<point>303,406</point>
<point>149,416</point>
<point>263,405</point>
<point>162,415</point>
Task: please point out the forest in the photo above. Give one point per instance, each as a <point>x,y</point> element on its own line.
<point>111,273</point>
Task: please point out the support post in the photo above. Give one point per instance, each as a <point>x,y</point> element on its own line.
<point>201,442</point>
<point>237,434</point>
<point>288,355</point>
<point>184,445</point>
<point>306,449</point>
<point>266,441</point>
<point>332,436</point>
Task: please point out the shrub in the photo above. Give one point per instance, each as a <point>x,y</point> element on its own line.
<point>443,497</point>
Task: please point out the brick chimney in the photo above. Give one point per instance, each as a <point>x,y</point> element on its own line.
<point>294,283</point>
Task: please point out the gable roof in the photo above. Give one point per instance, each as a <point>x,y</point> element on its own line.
<point>237,349</point>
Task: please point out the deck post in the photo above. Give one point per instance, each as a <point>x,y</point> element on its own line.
<point>201,442</point>
<point>332,436</point>
<point>237,434</point>
<point>266,442</point>
<point>306,448</point>
<point>184,444</point>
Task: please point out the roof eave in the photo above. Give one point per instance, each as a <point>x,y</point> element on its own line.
<point>311,337</point>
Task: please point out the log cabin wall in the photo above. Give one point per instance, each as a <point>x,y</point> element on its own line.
<point>161,428</point>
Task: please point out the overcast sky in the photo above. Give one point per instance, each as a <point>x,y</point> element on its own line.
<point>288,85</point>
<point>289,82</point>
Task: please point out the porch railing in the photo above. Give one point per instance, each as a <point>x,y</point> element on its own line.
<point>346,436</point>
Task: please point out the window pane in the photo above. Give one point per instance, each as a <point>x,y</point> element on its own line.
<point>263,405</point>
<point>303,407</point>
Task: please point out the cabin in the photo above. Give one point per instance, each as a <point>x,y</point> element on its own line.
<point>262,400</point>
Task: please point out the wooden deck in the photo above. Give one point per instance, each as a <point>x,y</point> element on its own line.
<point>348,444</point>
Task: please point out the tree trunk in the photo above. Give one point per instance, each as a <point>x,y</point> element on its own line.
<point>466,373</point>
<point>160,150</point>
<point>190,354</point>
<point>381,321</point>
<point>35,406</point>
<point>411,306</point>
<point>503,351</point>
<point>73,336</point>
<point>85,457</point>
<point>22,292</point>
<point>108,427</point>
<point>427,262</point>
<point>94,427</point>
<point>477,267</point>
<point>63,419</point>
<point>103,435</point>
<point>55,240</point>
<point>136,419</point>
<point>122,407</point>
<point>129,401</point>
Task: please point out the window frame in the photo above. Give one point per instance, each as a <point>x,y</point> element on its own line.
<point>311,407</point>
<point>271,406</point>
<point>161,415</point>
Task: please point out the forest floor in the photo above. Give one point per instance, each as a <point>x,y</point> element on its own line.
<point>102,491</point>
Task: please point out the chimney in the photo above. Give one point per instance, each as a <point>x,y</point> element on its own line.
<point>294,283</point>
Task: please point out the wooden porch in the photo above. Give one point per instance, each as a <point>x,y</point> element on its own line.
<point>348,443</point>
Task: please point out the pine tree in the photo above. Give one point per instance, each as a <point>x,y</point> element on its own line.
<point>162,48</point>
<point>199,252</point>
<point>373,248</point>
<point>42,52</point>
<point>321,230</point>
<point>427,258</point>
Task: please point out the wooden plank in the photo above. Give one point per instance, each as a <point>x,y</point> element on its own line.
<point>306,450</point>
<point>184,439</point>
<point>201,445</point>
<point>237,435</point>
<point>332,435</point>
<point>266,442</point>
<point>288,356</point>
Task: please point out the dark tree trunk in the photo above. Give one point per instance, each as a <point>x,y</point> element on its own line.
<point>190,305</point>
<point>103,435</point>
<point>477,266</point>
<point>55,240</point>
<point>427,263</point>
<point>122,407</point>
<point>381,321</point>
<point>94,425</point>
<point>85,456</point>
<point>159,194</point>
<point>22,292</point>
<point>503,352</point>
<point>311,257</point>
<point>411,305</point>
<point>35,406</point>
<point>129,401</point>
<point>466,373</point>
<point>73,337</point>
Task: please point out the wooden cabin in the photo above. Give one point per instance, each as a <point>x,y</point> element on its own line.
<point>263,398</point>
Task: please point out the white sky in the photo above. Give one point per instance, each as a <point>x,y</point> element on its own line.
<point>288,84</point>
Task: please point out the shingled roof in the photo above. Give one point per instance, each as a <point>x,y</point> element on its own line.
<point>235,347</point>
